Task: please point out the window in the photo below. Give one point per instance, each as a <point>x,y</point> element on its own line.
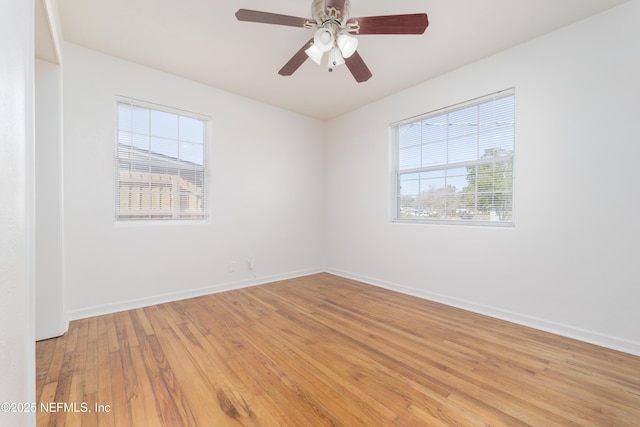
<point>456,165</point>
<point>160,163</point>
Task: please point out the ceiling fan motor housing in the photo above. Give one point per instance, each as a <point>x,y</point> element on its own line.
<point>321,13</point>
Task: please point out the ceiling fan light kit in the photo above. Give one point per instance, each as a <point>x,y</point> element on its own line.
<point>314,53</point>
<point>324,39</point>
<point>334,33</point>
<point>347,45</point>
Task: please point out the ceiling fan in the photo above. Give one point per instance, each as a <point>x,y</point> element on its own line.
<point>334,33</point>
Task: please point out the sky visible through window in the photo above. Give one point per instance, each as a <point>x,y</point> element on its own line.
<point>174,136</point>
<point>458,137</point>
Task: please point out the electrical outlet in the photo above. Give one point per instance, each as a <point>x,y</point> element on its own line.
<point>251,263</point>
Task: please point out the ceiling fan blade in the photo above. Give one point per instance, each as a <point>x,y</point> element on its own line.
<point>415,23</point>
<point>358,68</point>
<point>296,60</point>
<point>269,18</point>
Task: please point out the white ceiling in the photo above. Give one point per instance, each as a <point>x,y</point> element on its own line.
<point>201,40</point>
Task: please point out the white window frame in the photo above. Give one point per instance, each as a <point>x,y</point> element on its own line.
<point>463,216</point>
<point>167,188</point>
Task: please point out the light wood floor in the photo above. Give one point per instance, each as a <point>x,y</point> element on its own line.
<point>326,351</point>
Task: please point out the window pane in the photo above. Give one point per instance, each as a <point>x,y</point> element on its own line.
<point>409,135</point>
<point>165,147</point>
<point>457,178</point>
<point>140,118</point>
<point>463,122</point>
<point>125,138</point>
<point>410,184</point>
<point>434,129</point>
<point>191,129</point>
<point>125,118</point>
<point>409,189</point>
<point>432,179</point>
<point>494,187</point>
<point>432,189</point>
<point>463,149</point>
<point>410,157</point>
<point>434,153</point>
<point>192,153</point>
<point>164,124</point>
<point>499,112</point>
<point>140,141</point>
<point>496,142</point>
<point>466,209</point>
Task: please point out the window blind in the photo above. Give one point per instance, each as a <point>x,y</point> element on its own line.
<point>161,163</point>
<point>456,164</point>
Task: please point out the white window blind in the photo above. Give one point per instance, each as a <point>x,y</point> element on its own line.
<point>456,165</point>
<point>161,163</point>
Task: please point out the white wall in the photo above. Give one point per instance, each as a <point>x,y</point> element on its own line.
<point>17,330</point>
<point>50,319</point>
<point>266,192</point>
<point>570,264</point>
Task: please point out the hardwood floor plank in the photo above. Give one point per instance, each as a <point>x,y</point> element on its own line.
<point>122,412</point>
<point>46,395</point>
<point>112,334</point>
<point>156,319</point>
<point>64,377</point>
<point>142,320</point>
<point>104,395</point>
<point>91,384</point>
<point>45,351</point>
<point>55,365</point>
<point>327,351</point>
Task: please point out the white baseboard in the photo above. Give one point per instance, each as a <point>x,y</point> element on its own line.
<point>614,343</point>
<point>100,310</point>
<point>53,330</point>
<point>569,331</point>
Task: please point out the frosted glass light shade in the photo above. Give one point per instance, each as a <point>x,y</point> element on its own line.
<point>347,45</point>
<point>314,53</point>
<point>323,39</point>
